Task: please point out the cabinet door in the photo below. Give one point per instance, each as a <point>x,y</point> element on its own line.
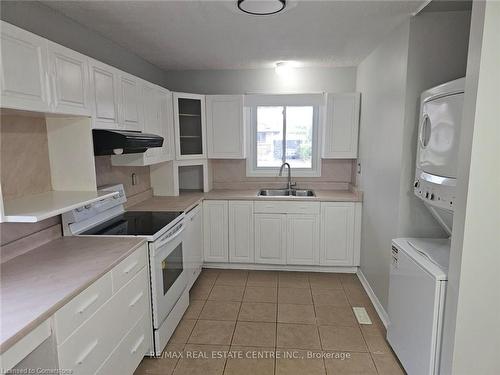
<point>23,70</point>
<point>152,113</point>
<point>167,125</point>
<point>302,239</point>
<point>225,127</point>
<point>340,133</point>
<point>70,81</point>
<point>189,121</point>
<point>104,81</point>
<point>270,238</point>
<point>241,233</point>
<point>130,102</point>
<point>339,237</point>
<point>215,227</point>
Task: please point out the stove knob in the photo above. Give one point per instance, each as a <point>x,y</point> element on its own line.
<point>416,184</point>
<point>87,206</point>
<point>427,195</point>
<point>432,197</point>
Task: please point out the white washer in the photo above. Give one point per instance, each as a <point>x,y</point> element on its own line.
<point>419,272</point>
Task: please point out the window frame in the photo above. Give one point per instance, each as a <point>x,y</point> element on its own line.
<point>287,100</point>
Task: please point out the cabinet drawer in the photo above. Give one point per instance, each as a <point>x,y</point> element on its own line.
<point>88,347</point>
<point>286,207</point>
<point>68,318</point>
<point>127,268</point>
<point>130,351</point>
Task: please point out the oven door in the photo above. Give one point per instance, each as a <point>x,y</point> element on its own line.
<point>168,275</point>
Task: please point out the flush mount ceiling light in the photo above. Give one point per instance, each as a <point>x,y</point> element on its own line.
<point>284,68</point>
<point>261,7</point>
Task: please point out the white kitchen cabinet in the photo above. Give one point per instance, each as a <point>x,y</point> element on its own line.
<point>340,233</point>
<point>215,231</point>
<point>189,124</point>
<point>193,243</point>
<point>104,82</point>
<point>157,119</point>
<point>241,232</point>
<point>225,127</point>
<point>302,239</point>
<point>24,82</point>
<point>99,328</point>
<point>69,72</point>
<point>130,102</point>
<point>270,238</point>
<point>341,128</point>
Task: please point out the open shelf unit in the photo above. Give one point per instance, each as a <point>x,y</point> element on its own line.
<point>37,207</point>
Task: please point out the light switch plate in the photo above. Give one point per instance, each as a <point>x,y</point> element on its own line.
<point>361,315</point>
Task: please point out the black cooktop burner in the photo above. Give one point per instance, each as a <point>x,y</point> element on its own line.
<point>135,223</point>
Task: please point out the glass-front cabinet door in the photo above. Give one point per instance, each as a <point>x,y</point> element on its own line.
<point>189,114</point>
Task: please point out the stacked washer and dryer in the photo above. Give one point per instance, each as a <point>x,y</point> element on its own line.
<point>419,269</point>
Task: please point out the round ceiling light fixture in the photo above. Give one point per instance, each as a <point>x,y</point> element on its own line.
<point>261,7</point>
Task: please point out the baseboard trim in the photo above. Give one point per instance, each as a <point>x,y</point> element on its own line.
<point>375,301</point>
<point>278,267</point>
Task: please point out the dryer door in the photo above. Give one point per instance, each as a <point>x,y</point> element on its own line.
<point>439,135</point>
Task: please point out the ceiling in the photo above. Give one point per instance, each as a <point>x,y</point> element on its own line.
<point>183,35</point>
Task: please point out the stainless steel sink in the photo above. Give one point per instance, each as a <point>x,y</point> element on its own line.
<point>285,193</point>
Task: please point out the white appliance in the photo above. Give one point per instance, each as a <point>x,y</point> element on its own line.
<point>164,232</point>
<point>437,149</point>
<point>416,302</point>
<point>417,285</point>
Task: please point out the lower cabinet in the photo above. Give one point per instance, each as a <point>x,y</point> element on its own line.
<point>282,232</point>
<point>340,233</point>
<point>302,239</point>
<point>193,244</point>
<point>241,232</point>
<point>270,238</point>
<point>215,231</point>
<point>100,332</point>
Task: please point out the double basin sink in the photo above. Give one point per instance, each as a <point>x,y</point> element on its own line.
<point>286,193</point>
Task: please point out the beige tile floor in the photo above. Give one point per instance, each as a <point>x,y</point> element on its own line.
<point>295,322</point>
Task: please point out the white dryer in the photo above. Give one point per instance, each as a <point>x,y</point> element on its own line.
<point>437,149</point>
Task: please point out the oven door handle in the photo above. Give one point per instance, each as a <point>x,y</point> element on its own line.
<point>163,240</point>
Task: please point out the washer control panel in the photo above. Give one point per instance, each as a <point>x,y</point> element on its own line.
<point>438,195</point>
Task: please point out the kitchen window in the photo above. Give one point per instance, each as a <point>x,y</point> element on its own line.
<point>284,128</point>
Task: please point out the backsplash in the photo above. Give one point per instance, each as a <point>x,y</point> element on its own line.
<point>107,174</point>
<point>336,174</point>
<point>24,155</point>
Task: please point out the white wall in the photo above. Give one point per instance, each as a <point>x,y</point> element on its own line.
<point>425,51</point>
<point>381,79</point>
<point>262,81</point>
<point>471,336</point>
<point>44,21</point>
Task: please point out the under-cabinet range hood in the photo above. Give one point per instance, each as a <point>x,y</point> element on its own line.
<point>116,142</point>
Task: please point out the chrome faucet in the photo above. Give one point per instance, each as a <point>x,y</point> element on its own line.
<point>289,184</point>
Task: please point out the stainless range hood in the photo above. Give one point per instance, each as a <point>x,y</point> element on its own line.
<point>116,142</point>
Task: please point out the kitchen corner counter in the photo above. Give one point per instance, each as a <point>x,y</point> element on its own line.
<point>36,284</point>
<point>187,201</point>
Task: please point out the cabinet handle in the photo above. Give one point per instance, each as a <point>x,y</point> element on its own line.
<point>87,351</point>
<point>136,346</point>
<point>88,304</point>
<point>136,299</point>
<point>130,268</point>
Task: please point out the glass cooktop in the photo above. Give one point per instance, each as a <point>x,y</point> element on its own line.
<point>135,223</point>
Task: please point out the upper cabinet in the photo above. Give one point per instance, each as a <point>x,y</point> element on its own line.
<point>130,102</point>
<point>189,121</point>
<point>24,80</point>
<point>341,127</point>
<point>104,81</point>
<point>69,72</point>
<point>225,127</point>
<point>157,119</point>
